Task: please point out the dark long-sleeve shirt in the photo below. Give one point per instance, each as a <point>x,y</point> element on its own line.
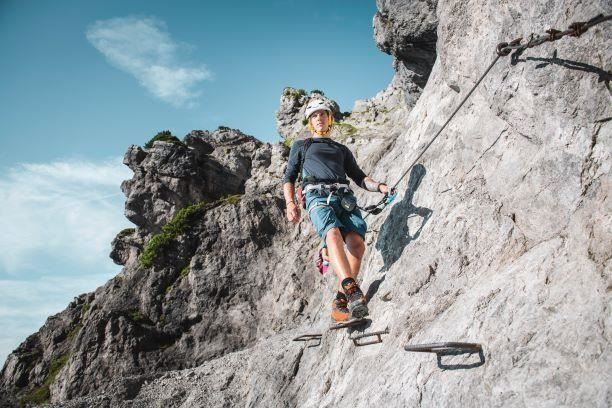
<point>326,160</point>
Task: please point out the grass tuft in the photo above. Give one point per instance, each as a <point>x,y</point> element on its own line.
<point>41,395</point>
<point>163,136</point>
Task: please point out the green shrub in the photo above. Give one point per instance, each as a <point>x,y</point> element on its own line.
<point>232,199</point>
<point>75,330</point>
<point>41,395</point>
<point>163,136</point>
<point>136,316</point>
<point>179,224</point>
<point>287,142</point>
<point>346,128</point>
<point>316,91</point>
<point>184,272</point>
<point>85,309</point>
<point>159,242</point>
<point>295,93</point>
<point>221,127</point>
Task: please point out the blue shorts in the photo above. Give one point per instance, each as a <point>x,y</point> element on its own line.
<point>326,217</point>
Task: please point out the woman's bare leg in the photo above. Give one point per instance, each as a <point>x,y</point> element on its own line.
<point>337,255</point>
<point>355,248</point>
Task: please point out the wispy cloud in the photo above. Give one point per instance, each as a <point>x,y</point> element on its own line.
<point>144,48</point>
<point>25,304</point>
<point>61,212</point>
<point>57,222</point>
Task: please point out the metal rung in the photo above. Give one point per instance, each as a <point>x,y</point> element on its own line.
<point>445,348</point>
<point>309,337</point>
<point>349,323</point>
<point>378,335</point>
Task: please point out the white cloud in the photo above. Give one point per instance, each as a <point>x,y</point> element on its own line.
<point>144,48</point>
<point>57,221</point>
<point>25,305</point>
<point>66,212</point>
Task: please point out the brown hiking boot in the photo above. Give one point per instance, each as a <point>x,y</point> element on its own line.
<point>340,311</point>
<point>357,304</point>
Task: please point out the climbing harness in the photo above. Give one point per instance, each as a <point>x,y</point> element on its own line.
<point>503,49</point>
<point>340,189</point>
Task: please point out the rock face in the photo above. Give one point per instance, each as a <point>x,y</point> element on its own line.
<point>502,235</point>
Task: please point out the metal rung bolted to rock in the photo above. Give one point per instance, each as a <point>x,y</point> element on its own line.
<point>445,348</point>
<point>310,337</point>
<point>349,323</point>
<point>378,339</point>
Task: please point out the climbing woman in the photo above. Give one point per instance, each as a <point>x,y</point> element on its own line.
<point>323,165</point>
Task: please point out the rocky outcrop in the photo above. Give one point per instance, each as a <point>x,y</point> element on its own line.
<point>170,176</point>
<point>501,236</point>
<point>405,29</point>
<point>290,116</point>
<point>200,277</point>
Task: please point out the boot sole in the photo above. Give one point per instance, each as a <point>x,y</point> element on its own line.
<point>359,310</point>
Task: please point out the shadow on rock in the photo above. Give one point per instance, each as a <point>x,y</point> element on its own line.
<point>604,76</point>
<point>462,366</point>
<point>395,233</point>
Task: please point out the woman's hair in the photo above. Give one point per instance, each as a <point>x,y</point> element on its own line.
<point>331,124</point>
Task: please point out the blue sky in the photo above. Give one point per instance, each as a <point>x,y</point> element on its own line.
<point>80,81</point>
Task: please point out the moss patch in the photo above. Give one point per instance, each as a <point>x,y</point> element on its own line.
<point>179,224</point>
<point>40,395</point>
<point>74,331</point>
<point>346,129</point>
<point>184,272</point>
<point>85,309</point>
<point>163,136</point>
<point>231,199</point>
<point>169,232</point>
<point>287,143</point>
<point>294,93</point>
<point>136,316</point>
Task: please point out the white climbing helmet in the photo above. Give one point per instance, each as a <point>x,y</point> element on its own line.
<point>315,105</point>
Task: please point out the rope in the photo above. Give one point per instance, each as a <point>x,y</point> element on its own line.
<point>575,29</point>
<point>447,121</point>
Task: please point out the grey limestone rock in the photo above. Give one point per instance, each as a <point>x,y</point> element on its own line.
<point>501,235</point>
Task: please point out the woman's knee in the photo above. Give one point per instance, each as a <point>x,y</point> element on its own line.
<point>333,234</point>
<point>355,244</point>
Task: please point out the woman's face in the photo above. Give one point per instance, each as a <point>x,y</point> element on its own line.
<point>320,120</point>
